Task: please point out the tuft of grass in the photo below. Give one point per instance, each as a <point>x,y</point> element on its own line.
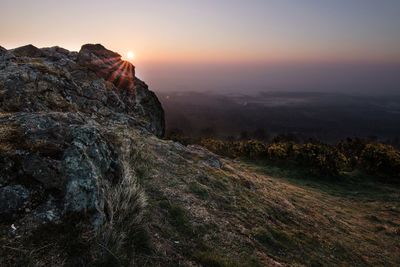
<point>277,241</point>
<point>124,232</point>
<point>10,135</point>
<point>199,189</point>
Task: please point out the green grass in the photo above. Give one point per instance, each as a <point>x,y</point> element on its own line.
<point>349,185</point>
<point>199,190</point>
<point>177,217</point>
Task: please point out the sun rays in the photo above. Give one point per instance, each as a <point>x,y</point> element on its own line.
<point>120,72</point>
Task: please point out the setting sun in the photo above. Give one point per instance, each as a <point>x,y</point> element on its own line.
<point>130,55</point>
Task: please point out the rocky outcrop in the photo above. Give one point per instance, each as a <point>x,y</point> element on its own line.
<point>108,64</point>
<point>61,155</point>
<point>94,81</point>
<point>2,50</point>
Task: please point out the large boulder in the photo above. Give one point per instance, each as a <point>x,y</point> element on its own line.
<point>62,156</point>
<point>95,81</point>
<point>63,149</point>
<point>109,65</point>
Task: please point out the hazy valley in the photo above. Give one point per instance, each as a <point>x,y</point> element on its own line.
<point>327,117</point>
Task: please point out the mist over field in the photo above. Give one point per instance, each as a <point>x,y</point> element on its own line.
<point>324,116</point>
<point>248,78</point>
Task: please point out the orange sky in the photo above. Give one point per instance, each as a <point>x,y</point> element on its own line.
<point>214,32</point>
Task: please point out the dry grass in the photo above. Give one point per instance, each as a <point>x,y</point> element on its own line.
<point>242,211</point>
<point>9,134</point>
<point>125,210</point>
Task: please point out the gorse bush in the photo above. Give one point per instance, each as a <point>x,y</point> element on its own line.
<point>252,149</point>
<point>321,158</point>
<point>280,151</point>
<point>381,160</point>
<point>224,148</point>
<point>352,148</point>
<point>318,158</point>
<point>246,149</point>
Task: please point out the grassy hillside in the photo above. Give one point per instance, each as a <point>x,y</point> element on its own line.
<point>204,210</point>
<point>217,212</point>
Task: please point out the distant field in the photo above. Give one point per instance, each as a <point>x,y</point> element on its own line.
<point>327,117</point>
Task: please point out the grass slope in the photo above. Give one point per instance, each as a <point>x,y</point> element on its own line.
<point>245,214</point>
<point>204,210</point>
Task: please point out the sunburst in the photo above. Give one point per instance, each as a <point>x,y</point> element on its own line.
<point>120,72</point>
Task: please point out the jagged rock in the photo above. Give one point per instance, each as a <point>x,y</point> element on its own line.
<point>146,104</point>
<point>2,50</point>
<point>61,156</point>
<point>109,65</point>
<point>28,51</point>
<point>58,113</point>
<point>64,152</point>
<point>61,55</point>
<point>94,81</point>
<point>5,55</point>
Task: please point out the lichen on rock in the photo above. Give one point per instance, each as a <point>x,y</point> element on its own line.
<point>59,113</point>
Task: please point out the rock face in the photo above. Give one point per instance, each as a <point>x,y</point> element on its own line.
<point>60,157</point>
<point>94,81</point>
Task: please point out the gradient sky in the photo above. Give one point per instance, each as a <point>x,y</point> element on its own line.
<point>343,45</point>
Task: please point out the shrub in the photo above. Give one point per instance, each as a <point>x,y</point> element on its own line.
<point>280,151</point>
<point>252,149</point>
<point>352,149</point>
<point>322,159</point>
<point>382,160</point>
<point>224,148</point>
<point>215,146</point>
